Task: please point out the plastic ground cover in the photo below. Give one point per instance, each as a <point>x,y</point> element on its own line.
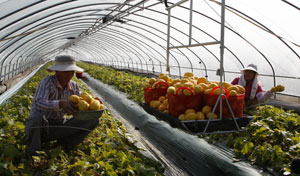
<point>192,153</point>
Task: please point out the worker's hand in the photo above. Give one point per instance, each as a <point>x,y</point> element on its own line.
<point>99,99</point>
<point>67,107</point>
<point>278,88</point>
<point>273,89</point>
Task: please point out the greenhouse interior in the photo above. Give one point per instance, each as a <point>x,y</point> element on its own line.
<point>150,87</point>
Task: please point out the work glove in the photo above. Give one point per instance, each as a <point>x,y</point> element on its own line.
<point>278,88</point>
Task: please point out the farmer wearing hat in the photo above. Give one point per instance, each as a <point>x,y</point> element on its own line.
<point>47,120</point>
<point>254,93</point>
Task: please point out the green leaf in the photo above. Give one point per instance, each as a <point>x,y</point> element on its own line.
<point>9,151</point>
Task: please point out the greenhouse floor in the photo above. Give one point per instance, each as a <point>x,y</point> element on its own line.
<point>180,153</point>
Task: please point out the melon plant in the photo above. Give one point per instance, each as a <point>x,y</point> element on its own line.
<point>106,151</point>
<point>271,141</point>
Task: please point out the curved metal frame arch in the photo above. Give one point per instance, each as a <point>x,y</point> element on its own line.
<point>26,40</point>
<point>138,41</point>
<point>96,48</point>
<point>136,53</point>
<point>56,35</point>
<point>44,45</point>
<point>33,38</point>
<point>59,17</point>
<point>91,51</point>
<point>23,37</point>
<point>256,49</point>
<point>107,42</point>
<point>201,31</point>
<point>56,5</point>
<point>133,44</point>
<point>243,39</point>
<point>18,40</point>
<point>74,51</point>
<point>94,39</point>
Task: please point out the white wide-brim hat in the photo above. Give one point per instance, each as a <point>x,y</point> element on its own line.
<point>65,63</point>
<point>252,67</point>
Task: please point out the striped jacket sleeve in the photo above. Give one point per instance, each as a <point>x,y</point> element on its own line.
<point>42,94</point>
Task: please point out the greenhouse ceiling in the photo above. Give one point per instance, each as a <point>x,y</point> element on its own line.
<point>153,35</point>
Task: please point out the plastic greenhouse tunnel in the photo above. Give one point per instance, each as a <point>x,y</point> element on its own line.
<point>150,87</point>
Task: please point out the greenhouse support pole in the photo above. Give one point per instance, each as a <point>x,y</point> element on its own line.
<point>1,69</point>
<point>4,74</point>
<point>168,42</point>
<point>222,52</point>
<point>10,71</point>
<point>15,69</point>
<point>147,68</point>
<point>161,68</point>
<point>191,21</point>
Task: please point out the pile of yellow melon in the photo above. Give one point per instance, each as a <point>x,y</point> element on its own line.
<point>86,102</point>
<point>199,85</point>
<point>191,114</point>
<point>154,83</point>
<point>195,85</point>
<point>161,104</point>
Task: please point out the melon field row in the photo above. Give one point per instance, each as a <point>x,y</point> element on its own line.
<point>271,141</point>
<point>106,151</point>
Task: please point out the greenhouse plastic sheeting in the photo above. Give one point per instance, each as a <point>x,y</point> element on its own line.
<point>134,34</point>
<point>192,153</point>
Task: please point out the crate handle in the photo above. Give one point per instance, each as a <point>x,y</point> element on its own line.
<point>226,91</point>
<point>161,82</point>
<point>184,88</point>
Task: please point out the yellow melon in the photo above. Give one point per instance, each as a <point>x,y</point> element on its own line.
<point>212,85</point>
<point>190,116</point>
<point>233,87</point>
<point>226,84</point>
<point>83,105</point>
<point>200,116</point>
<point>156,104</point>
<point>203,85</point>
<point>188,74</point>
<point>279,88</point>
<point>161,98</point>
<point>214,116</point>
<point>181,117</point>
<point>184,80</point>
<point>198,89</point>
<point>188,84</point>
<point>171,89</point>
<point>95,105</point>
<point>177,85</point>
<point>241,89</point>
<point>147,85</point>
<point>152,80</point>
<point>162,107</point>
<point>233,93</point>
<point>201,80</point>
<point>206,109</point>
<point>207,91</point>
<point>217,91</point>
<point>87,97</point>
<point>74,99</point>
<point>190,111</point>
<point>187,92</point>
